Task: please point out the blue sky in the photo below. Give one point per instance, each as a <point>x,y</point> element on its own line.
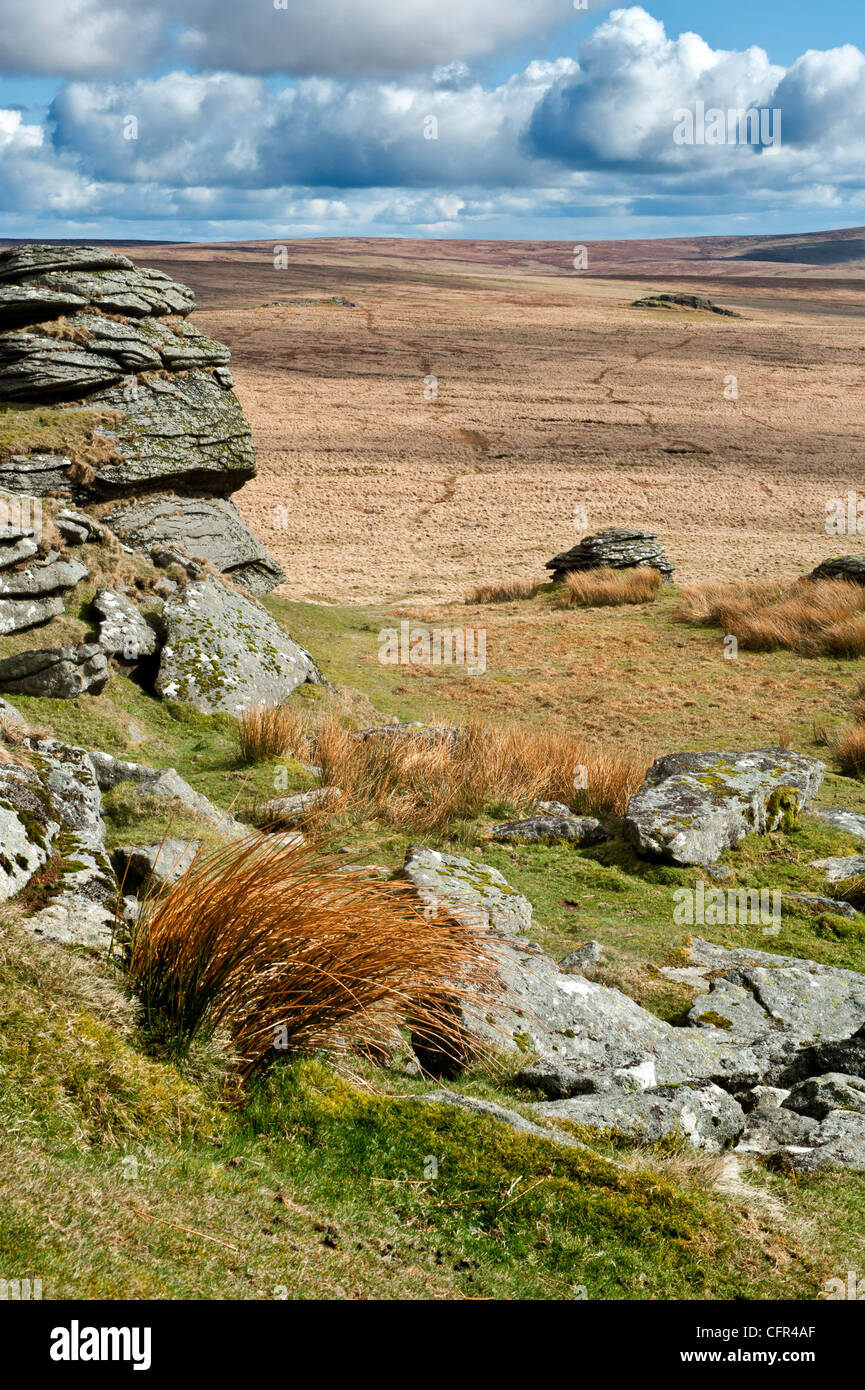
<point>207,120</point>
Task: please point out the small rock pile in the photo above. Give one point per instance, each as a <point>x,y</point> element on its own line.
<point>683,301</point>
<point>616,547</point>
<point>850,567</point>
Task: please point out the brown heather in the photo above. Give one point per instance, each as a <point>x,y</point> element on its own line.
<point>507,591</point>
<point>816,618</point>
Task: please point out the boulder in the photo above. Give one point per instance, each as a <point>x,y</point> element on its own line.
<point>585,956</point>
<point>703,1115</point>
<point>684,301</point>
<point>49,576</point>
<point>837,1141</point>
<point>19,614</point>
<point>476,893</point>
<point>142,865</point>
<point>37,475</point>
<point>557,1081</point>
<point>52,827</point>
<point>853,822</point>
<point>849,567</point>
<point>818,1096</point>
<point>56,673</point>
<point>15,546</point>
<point>838,867</point>
<point>166,783</point>
<point>77,528</point>
<point>51,280</point>
<point>616,547</point>
<point>223,651</point>
<point>815,903</point>
<point>123,631</point>
<point>768,1130</point>
<point>784,1007</point>
<point>292,810</point>
<point>205,528</point>
<point>179,431</point>
<point>693,806</point>
<point>579,830</point>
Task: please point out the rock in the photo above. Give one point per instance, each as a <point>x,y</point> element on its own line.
<point>580,830</point>
<point>91,274</point>
<point>48,576</point>
<point>77,528</point>
<point>853,822</point>
<point>59,829</point>
<point>207,529</point>
<point>844,1055</point>
<point>162,782</point>
<point>819,1095</point>
<point>138,865</point>
<point>553,808</point>
<point>815,903</point>
<point>9,715</point>
<point>768,1130</point>
<point>707,1117</point>
<point>785,1007</point>
<point>17,615</point>
<point>182,431</point>
<point>838,867</point>
<point>36,475</point>
<point>511,1118</point>
<point>719,873</point>
<point>838,1140</point>
<point>684,301</point>
<point>123,631</point>
<point>765,1097</point>
<point>15,546</point>
<point>557,1081</point>
<point>291,810</point>
<point>420,733</point>
<point>616,547</point>
<point>693,806</point>
<point>591,953</point>
<point>56,673</point>
<point>477,893</point>
<point>849,567</point>
<point>223,651</point>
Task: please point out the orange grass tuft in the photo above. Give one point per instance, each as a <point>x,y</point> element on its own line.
<point>814,617</point>
<point>605,587</point>
<point>506,591</point>
<point>273,941</point>
<point>269,731</point>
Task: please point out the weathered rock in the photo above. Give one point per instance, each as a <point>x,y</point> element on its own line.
<point>616,547</point>
<point>58,673</point>
<point>849,567</point>
<point>844,1055</point>
<point>182,431</point>
<point>814,903</point>
<point>77,528</point>
<point>819,1095</point>
<point>684,301</point>
<point>765,1097</point>
<point>839,1140</point>
<point>585,956</point>
<point>138,865</point>
<point>37,475</point>
<point>95,352</point>
<point>42,282</point>
<point>224,652</point>
<point>205,528</point>
<point>579,830</point>
<point>48,576</point>
<point>704,1115</point>
<point>51,819</point>
<point>553,808</point>
<point>19,614</point>
<point>477,893</point>
<point>768,1130</point>
<point>291,810</point>
<point>162,782</point>
<point>785,1007</point>
<point>557,1081</point>
<point>15,547</point>
<point>123,631</point>
<point>416,732</point>
<point>851,821</point>
<point>693,806</point>
<point>838,867</point>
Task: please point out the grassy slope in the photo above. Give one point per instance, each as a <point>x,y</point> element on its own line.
<point>315,1186</point>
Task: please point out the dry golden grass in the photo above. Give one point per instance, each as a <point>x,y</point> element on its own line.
<point>848,747</point>
<point>815,618</point>
<point>506,591</point>
<point>605,587</point>
<point>268,731</point>
<point>426,782</point>
<point>272,941</point>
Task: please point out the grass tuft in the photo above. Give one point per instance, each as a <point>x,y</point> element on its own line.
<point>606,588</point>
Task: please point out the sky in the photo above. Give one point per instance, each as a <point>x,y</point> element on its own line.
<point>215,120</point>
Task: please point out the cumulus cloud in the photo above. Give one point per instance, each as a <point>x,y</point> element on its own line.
<point>83,38</point>
<point>575,138</point>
